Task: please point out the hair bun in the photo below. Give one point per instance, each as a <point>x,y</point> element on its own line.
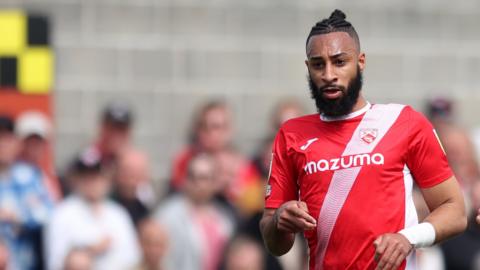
<point>338,14</point>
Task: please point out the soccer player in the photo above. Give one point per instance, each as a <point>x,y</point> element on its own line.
<point>344,176</point>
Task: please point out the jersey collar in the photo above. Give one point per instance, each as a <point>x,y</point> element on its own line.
<point>347,116</point>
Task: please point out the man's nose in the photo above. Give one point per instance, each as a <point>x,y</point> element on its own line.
<point>329,75</point>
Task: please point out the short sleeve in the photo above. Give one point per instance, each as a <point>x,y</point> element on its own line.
<point>281,186</point>
<point>426,158</point>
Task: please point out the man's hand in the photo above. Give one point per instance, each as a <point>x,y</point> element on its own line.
<point>293,217</point>
<point>390,250</point>
<point>278,226</point>
<point>101,246</point>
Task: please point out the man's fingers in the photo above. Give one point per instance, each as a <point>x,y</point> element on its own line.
<point>388,258</point>
<point>306,225</point>
<point>399,260</point>
<point>390,251</point>
<point>287,227</point>
<point>379,248</point>
<point>379,244</point>
<point>292,223</point>
<point>294,217</point>
<point>302,205</point>
<point>300,221</point>
<point>301,213</point>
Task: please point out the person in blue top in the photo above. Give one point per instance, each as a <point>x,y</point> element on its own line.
<point>24,202</point>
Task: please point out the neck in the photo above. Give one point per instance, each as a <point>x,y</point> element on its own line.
<point>359,107</point>
<point>129,194</point>
<point>196,203</point>
<point>153,265</point>
<point>360,104</point>
<point>93,203</point>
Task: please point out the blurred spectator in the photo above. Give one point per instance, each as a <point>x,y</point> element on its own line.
<point>34,129</point>
<point>154,243</point>
<point>24,202</point>
<point>132,188</point>
<point>463,251</point>
<point>285,110</point>
<point>79,259</point>
<point>4,257</point>
<point>456,142</point>
<point>262,158</point>
<point>244,253</point>
<point>114,134</point>
<point>238,182</point>
<point>212,133</point>
<point>198,228</point>
<point>87,219</point>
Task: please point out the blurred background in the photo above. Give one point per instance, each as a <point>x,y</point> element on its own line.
<point>156,83</point>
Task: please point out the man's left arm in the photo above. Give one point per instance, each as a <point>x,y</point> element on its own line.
<point>447,207</point>
<point>446,219</point>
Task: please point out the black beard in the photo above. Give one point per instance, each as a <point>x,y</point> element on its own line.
<point>340,106</point>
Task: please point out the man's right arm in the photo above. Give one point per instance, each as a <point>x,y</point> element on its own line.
<point>276,242</point>
<point>278,226</point>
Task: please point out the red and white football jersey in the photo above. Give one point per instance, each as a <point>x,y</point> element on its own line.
<point>355,174</point>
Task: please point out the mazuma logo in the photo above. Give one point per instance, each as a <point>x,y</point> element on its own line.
<point>344,163</point>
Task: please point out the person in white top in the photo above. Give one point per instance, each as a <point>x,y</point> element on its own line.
<point>88,220</point>
<point>198,228</point>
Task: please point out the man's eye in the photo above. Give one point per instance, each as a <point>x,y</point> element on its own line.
<point>339,62</point>
<point>317,65</point>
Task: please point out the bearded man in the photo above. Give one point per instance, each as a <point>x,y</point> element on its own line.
<point>344,176</point>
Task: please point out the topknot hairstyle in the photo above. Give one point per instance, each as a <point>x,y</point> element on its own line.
<point>335,23</point>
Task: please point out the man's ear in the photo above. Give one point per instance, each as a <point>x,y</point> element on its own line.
<point>361,61</point>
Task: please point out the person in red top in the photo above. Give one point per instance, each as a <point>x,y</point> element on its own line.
<point>344,176</point>
<point>212,134</point>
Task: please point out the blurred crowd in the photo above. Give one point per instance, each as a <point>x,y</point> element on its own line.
<point>106,212</point>
<point>462,252</point>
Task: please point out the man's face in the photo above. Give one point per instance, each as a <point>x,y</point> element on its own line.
<point>131,171</point>
<point>34,149</point>
<point>92,186</point>
<point>335,68</point>
<point>154,242</point>
<point>9,147</point>
<point>114,137</point>
<point>201,185</point>
<point>214,131</point>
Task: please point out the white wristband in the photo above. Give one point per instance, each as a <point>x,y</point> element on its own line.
<point>420,235</point>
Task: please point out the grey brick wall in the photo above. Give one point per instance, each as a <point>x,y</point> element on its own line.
<point>165,57</point>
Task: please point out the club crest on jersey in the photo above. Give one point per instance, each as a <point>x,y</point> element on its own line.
<point>368,135</point>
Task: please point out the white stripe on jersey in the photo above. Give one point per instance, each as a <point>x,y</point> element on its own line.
<point>380,117</point>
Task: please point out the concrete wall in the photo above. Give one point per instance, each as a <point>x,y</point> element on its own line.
<point>165,57</point>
